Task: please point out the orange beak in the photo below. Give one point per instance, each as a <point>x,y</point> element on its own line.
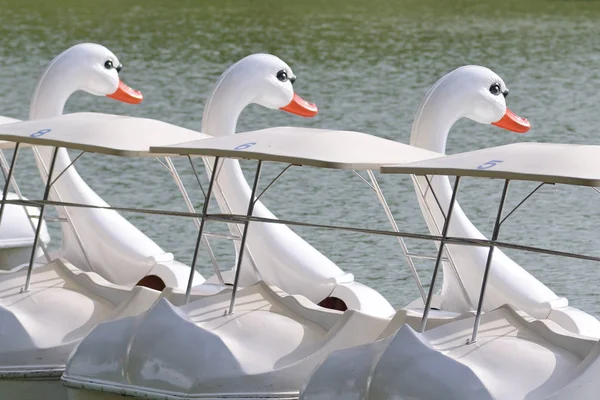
<point>126,94</point>
<point>513,122</point>
<point>301,107</point>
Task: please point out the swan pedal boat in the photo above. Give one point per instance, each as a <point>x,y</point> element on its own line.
<point>480,95</point>
<point>45,311</point>
<point>501,354</point>
<point>88,67</point>
<point>91,239</point>
<point>254,342</point>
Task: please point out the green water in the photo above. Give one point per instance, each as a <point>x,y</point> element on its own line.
<point>367,65</point>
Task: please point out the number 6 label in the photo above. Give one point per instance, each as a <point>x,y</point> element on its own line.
<point>244,146</point>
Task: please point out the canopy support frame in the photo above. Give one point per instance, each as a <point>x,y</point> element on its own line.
<point>437,200</point>
<point>488,263</point>
<point>40,220</point>
<point>251,204</point>
<point>196,175</point>
<point>13,162</point>
<point>390,216</point>
<point>45,170</point>
<point>364,180</point>
<point>524,200</point>
<point>448,258</point>
<point>67,167</point>
<point>188,289</point>
<point>5,171</point>
<point>188,202</point>
<point>273,181</point>
<point>439,256</point>
<point>231,226</point>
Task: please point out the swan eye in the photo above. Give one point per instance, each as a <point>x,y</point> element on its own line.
<point>282,76</point>
<point>108,64</point>
<point>495,89</point>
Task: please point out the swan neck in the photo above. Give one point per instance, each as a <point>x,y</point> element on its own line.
<point>225,106</point>
<point>432,125</point>
<point>50,96</point>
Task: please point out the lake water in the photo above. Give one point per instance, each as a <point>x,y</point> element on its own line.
<point>367,64</point>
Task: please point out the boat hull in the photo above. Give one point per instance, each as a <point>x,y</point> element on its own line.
<point>33,387</point>
<point>91,391</point>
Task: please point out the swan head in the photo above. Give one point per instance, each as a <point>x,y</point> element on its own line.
<point>483,97</point>
<point>268,81</point>
<point>92,68</point>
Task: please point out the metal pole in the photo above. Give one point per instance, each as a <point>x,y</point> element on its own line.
<point>67,167</point>
<point>388,212</point>
<point>5,168</point>
<point>226,209</point>
<point>188,202</point>
<point>40,220</point>
<point>489,263</point>
<point>244,236</point>
<point>428,208</point>
<point>7,183</point>
<point>439,256</point>
<point>65,210</point>
<point>200,229</point>
<point>273,181</point>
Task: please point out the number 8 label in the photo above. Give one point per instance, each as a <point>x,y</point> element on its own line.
<point>39,133</point>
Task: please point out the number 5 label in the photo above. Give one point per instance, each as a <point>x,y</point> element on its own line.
<point>489,164</point>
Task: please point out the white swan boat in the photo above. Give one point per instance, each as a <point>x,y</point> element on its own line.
<point>275,253</point>
<point>501,354</point>
<point>46,308</point>
<point>100,241</point>
<point>45,311</point>
<point>94,69</point>
<point>478,93</point>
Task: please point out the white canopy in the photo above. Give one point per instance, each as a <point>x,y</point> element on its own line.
<point>98,133</point>
<point>5,145</point>
<point>570,164</point>
<point>305,146</point>
<point>7,120</point>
